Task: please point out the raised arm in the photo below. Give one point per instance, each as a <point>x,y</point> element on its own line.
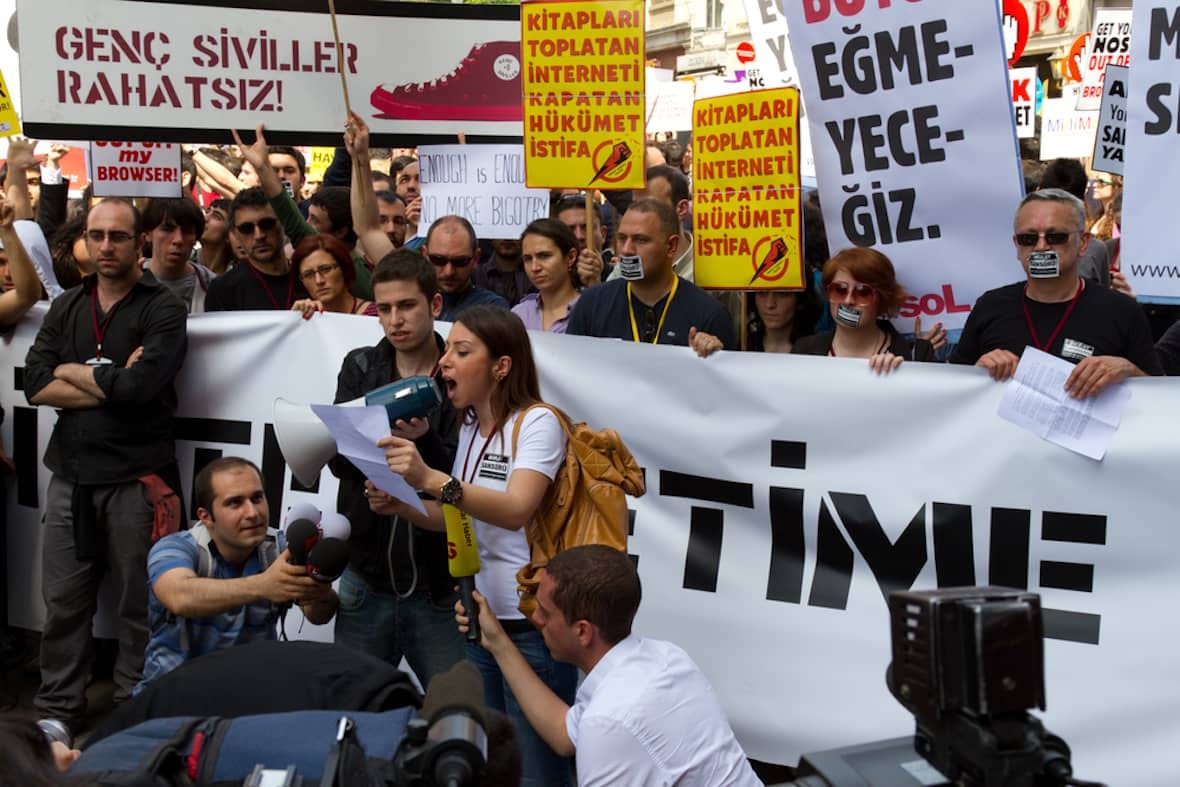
<point>16,184</point>
<point>364,201</point>
<point>26,287</point>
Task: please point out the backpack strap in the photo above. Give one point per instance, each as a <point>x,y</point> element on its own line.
<point>562,419</point>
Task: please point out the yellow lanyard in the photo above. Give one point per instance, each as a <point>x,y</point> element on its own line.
<point>663,316</point>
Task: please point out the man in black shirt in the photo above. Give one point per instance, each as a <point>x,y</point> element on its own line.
<point>397,596</point>
<point>649,302</point>
<point>263,281</point>
<point>1055,310</point>
<point>105,357</point>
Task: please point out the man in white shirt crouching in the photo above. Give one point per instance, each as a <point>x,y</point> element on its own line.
<point>645,714</point>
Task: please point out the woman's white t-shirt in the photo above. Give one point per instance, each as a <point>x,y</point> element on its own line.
<point>489,463</point>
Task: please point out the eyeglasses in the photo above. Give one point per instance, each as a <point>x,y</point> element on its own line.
<point>400,221</point>
<point>1103,182</point>
<point>441,261</point>
<point>115,236</point>
<point>861,293</point>
<point>650,326</point>
<point>1053,238</point>
<point>567,201</point>
<point>322,270</point>
<point>266,225</point>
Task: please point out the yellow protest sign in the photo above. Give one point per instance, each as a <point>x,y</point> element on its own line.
<point>582,79</point>
<point>318,162</point>
<point>9,121</point>
<point>747,227</point>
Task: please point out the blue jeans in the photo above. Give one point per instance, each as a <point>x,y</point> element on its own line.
<point>542,767</point>
<point>383,625</point>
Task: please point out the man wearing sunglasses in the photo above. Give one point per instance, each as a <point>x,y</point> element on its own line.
<point>452,248</point>
<point>1056,310</point>
<point>262,281</point>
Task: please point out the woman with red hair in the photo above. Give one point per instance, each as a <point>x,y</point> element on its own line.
<point>324,274</point>
<point>863,292</point>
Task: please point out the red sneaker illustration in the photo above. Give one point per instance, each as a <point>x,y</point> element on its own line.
<point>485,86</point>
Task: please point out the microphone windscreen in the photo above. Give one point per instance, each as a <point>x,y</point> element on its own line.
<point>302,535</point>
<point>462,551</point>
<point>327,559</point>
<point>458,689</point>
<point>334,525</point>
<point>301,511</point>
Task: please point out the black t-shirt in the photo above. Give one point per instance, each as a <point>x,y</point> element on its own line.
<point>1103,322</point>
<point>602,311</point>
<point>239,289</point>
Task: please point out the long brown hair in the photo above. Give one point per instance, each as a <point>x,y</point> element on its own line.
<point>503,333</point>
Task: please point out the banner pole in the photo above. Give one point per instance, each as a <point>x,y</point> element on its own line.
<point>339,57</point>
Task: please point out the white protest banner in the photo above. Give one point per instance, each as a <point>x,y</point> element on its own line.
<point>768,31</point>
<point>482,183</point>
<point>1024,100</point>
<point>1153,131</point>
<point>769,534</point>
<point>1110,44</point>
<point>168,71</point>
<point>904,110</point>
<point>135,169</point>
<point>1066,132</point>
<point>1110,141</point>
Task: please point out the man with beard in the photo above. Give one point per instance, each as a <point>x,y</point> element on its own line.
<point>503,273</point>
<point>451,247</point>
<point>262,281</point>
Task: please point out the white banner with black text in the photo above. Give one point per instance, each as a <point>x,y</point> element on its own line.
<point>786,496</point>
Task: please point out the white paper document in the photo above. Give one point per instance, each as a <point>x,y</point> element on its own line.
<point>1035,400</point>
<point>356,431</point>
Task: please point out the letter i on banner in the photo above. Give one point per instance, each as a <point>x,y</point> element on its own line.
<point>584,101</point>
<point>746,218</point>
<point>9,121</point>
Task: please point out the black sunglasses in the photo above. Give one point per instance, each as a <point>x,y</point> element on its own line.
<point>442,261</point>
<point>1052,238</point>
<point>266,225</point>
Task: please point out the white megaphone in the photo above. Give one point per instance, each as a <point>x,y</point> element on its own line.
<point>307,445</point>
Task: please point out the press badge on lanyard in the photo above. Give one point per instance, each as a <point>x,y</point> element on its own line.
<point>494,467</point>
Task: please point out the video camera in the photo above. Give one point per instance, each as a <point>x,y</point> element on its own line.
<point>969,664</point>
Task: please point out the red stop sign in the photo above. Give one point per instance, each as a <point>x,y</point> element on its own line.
<point>745,52</point>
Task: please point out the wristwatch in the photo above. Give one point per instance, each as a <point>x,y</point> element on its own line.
<point>451,492</point>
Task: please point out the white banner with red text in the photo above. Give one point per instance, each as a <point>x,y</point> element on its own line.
<point>771,531</point>
<point>167,71</point>
<point>910,110</point>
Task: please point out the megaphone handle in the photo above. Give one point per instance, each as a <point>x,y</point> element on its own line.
<point>466,587</point>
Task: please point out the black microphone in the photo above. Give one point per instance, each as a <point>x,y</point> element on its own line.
<point>453,706</point>
<point>302,537</point>
<point>327,559</point>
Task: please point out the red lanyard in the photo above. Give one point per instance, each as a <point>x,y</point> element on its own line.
<point>1060,323</point>
<point>265,288</point>
<point>100,331</point>
<point>479,458</point>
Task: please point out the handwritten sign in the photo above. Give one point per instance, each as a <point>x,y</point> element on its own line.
<point>482,183</point>
<point>583,82</point>
<point>746,216</point>
<point>135,169</point>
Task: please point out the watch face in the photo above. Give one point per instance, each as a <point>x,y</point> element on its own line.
<point>451,491</point>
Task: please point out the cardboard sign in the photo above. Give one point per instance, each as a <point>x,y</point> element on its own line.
<point>482,183</point>
<point>165,71</point>
<point>906,103</point>
<point>746,221</point>
<point>583,86</point>
<point>1024,100</point>
<point>1153,133</point>
<point>669,105</point>
<point>1109,44</point>
<point>768,29</point>
<point>1111,140</point>
<point>135,169</point>
<point>1066,132</point>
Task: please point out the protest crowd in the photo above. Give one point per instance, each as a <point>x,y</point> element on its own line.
<point>586,699</point>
